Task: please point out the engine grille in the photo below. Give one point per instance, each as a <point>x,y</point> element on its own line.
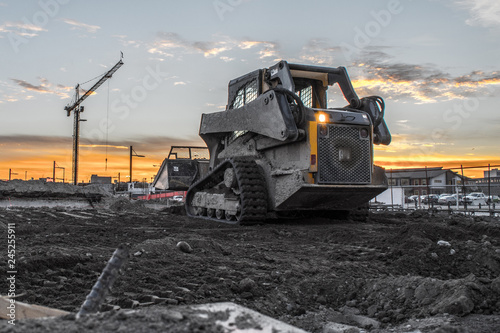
<point>343,156</point>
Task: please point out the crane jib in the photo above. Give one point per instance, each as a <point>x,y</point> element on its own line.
<point>106,76</point>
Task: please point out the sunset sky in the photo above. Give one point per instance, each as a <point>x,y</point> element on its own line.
<point>435,62</point>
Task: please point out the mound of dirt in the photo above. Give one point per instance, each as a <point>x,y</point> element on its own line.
<point>42,189</point>
<point>123,204</point>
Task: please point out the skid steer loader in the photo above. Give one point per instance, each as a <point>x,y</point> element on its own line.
<point>279,149</point>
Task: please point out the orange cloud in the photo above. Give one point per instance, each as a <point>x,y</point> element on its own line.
<point>423,83</point>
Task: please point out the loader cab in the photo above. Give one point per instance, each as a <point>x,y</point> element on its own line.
<point>310,83</point>
<point>310,87</point>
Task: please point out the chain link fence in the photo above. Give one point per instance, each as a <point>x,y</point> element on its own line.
<point>442,189</point>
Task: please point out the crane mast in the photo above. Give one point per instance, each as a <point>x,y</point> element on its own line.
<point>77,109</point>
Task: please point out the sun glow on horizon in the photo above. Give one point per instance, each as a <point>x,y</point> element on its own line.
<point>117,165</point>
<point>34,158</point>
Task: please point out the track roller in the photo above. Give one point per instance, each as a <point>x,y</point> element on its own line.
<point>234,192</point>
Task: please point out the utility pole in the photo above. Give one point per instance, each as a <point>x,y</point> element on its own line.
<point>11,173</point>
<point>132,154</point>
<point>490,200</point>
<point>54,172</point>
<point>464,190</point>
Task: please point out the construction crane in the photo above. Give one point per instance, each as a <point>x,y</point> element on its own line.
<point>77,109</point>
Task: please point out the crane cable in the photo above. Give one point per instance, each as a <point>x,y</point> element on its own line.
<point>98,76</point>
<point>81,84</point>
<point>107,130</point>
<point>107,117</point>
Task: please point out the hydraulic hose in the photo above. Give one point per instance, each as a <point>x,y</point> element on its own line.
<point>381,106</point>
<point>300,104</point>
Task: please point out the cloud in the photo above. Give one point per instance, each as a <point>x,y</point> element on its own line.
<point>81,26</point>
<point>12,140</point>
<point>424,83</point>
<point>145,144</point>
<point>318,51</point>
<point>128,42</point>
<point>267,49</point>
<point>167,42</point>
<point>227,59</point>
<point>23,29</point>
<point>29,86</point>
<point>172,40</point>
<point>484,13</point>
<point>45,87</point>
<point>103,146</point>
<point>158,144</point>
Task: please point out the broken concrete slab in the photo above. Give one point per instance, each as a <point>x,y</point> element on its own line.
<point>23,310</point>
<point>245,320</point>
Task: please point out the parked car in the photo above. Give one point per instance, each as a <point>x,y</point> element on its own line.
<point>178,198</point>
<point>476,197</point>
<point>412,198</point>
<point>431,198</point>
<point>460,198</point>
<point>447,199</point>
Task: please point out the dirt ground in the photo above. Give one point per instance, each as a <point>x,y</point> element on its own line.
<point>396,272</point>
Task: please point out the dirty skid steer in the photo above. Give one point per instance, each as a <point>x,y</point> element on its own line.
<point>278,149</point>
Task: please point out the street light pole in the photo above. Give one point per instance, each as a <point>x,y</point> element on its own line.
<point>132,154</point>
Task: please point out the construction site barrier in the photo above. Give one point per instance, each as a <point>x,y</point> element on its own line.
<point>161,195</point>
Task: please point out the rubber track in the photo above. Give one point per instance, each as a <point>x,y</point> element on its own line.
<point>252,186</point>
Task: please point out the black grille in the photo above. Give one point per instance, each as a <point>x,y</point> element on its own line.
<point>246,94</point>
<point>343,156</point>
<point>306,96</point>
